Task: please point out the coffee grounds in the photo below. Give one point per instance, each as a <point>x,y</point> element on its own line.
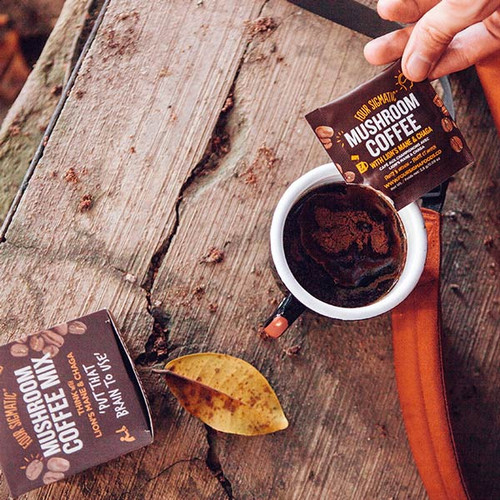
<point>344,244</point>
<point>339,230</point>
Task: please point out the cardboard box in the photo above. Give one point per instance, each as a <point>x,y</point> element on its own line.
<point>71,399</point>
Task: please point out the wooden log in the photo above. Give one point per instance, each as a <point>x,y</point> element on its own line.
<point>23,128</point>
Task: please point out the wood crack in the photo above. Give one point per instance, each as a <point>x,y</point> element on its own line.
<point>126,494</point>
<point>218,147</point>
<point>93,10</point>
<point>157,347</point>
<point>213,462</point>
<point>166,469</point>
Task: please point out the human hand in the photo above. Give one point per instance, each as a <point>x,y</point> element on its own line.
<point>449,35</point>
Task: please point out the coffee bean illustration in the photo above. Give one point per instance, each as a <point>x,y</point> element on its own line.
<point>52,338</point>
<point>339,167</point>
<point>438,101</point>
<point>51,477</point>
<point>58,464</point>
<point>445,111</point>
<point>19,350</point>
<point>350,176</point>
<point>447,124</point>
<point>34,469</point>
<point>77,327</point>
<point>327,145</point>
<point>51,349</point>
<point>37,343</point>
<point>456,144</point>
<point>61,329</point>
<point>324,132</point>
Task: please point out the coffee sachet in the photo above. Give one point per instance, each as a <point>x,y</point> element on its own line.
<point>393,134</point>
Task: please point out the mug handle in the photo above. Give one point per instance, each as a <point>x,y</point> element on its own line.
<point>283,317</point>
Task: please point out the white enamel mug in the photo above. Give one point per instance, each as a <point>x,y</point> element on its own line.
<point>300,298</point>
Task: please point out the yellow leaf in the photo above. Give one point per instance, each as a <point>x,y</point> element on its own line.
<point>226,393</point>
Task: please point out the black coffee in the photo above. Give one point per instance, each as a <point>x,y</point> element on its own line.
<point>344,244</point>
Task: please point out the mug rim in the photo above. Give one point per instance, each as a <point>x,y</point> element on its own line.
<point>416,251</point>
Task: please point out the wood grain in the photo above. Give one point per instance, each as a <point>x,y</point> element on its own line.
<point>470,293</point>
<point>171,177</point>
<point>137,122</point>
<point>346,438</point>
<point>28,117</point>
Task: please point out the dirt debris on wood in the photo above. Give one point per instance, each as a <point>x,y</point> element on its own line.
<point>220,144</point>
<point>261,25</point>
<point>199,291</point>
<point>125,15</point>
<point>228,105</point>
<point>71,176</point>
<point>273,301</point>
<point>14,130</point>
<point>292,351</point>
<point>86,203</point>
<point>455,288</point>
<point>213,256</point>
<point>249,177</point>
<point>164,72</point>
<point>265,157</point>
<point>489,241</point>
<point>262,334</point>
<point>122,39</point>
<point>492,269</point>
<point>131,278</point>
<point>56,90</point>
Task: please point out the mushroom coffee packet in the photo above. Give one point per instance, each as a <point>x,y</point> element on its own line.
<point>393,134</point>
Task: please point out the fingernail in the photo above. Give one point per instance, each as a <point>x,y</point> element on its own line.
<point>417,67</point>
<point>385,9</point>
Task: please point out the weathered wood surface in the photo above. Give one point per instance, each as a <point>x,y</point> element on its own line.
<point>170,177</point>
<point>23,128</point>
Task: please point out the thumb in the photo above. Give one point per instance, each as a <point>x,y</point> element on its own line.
<point>436,29</point>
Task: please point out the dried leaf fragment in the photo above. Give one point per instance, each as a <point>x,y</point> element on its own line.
<point>226,393</point>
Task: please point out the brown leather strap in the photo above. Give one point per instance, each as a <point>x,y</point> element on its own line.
<point>419,375</point>
<point>489,74</point>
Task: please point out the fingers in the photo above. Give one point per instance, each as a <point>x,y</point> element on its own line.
<point>469,47</point>
<point>404,11</point>
<point>436,29</point>
<point>387,48</point>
